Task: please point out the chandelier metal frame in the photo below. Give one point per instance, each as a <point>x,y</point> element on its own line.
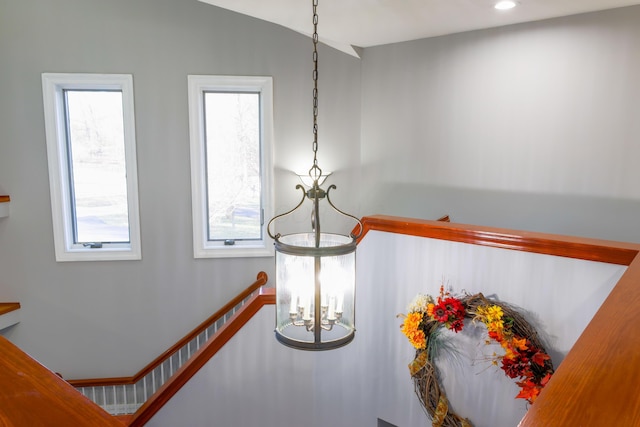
<point>322,248</point>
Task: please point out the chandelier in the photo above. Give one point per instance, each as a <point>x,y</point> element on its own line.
<point>315,270</point>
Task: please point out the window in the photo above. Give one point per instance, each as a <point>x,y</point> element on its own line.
<point>89,124</point>
<point>231,164</point>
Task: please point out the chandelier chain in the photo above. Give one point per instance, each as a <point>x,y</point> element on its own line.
<point>315,167</point>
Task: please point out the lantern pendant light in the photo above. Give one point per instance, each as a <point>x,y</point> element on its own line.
<point>315,271</point>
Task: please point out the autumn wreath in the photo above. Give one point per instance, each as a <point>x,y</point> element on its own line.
<point>524,358</point>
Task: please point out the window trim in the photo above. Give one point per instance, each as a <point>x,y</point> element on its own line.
<point>53,87</point>
<point>197,86</point>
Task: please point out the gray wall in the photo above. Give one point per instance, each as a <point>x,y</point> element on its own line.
<point>99,319</point>
<point>533,126</point>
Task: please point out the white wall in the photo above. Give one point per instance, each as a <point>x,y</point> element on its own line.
<point>100,319</point>
<point>531,126</point>
<point>254,380</point>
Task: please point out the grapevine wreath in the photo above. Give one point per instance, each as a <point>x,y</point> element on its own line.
<point>524,359</point>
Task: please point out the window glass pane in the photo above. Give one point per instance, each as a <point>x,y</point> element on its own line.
<point>97,166</point>
<point>232,129</point>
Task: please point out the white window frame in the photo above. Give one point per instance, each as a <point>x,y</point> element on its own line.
<point>53,87</point>
<point>197,86</point>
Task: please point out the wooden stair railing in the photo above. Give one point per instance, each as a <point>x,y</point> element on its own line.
<point>94,382</point>
<point>202,356</point>
<point>32,395</point>
<point>596,382</point>
<point>8,307</point>
<point>9,314</point>
<point>550,244</point>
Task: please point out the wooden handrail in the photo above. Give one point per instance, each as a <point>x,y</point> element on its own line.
<point>597,382</point>
<point>202,356</point>
<point>261,280</point>
<point>32,395</point>
<point>4,199</point>
<point>550,244</point>
<point>8,307</point>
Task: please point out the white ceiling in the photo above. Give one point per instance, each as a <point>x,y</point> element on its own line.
<point>366,23</point>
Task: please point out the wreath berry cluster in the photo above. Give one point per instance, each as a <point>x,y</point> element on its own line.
<point>523,358</point>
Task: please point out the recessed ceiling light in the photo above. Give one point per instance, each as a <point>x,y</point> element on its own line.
<point>505,5</point>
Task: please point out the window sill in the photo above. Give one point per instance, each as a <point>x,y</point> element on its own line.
<point>235,252</point>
